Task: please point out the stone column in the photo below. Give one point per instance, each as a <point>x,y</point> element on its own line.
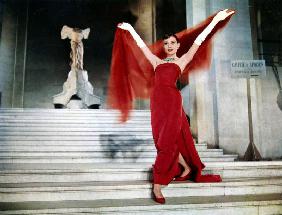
<point>144,11</point>
<point>235,42</point>
<point>20,55</point>
<point>145,27</point>
<point>189,91</point>
<point>201,85</point>
<point>7,52</point>
<point>221,116</point>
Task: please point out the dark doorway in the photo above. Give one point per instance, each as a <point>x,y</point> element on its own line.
<point>47,63</point>
<point>170,16</point>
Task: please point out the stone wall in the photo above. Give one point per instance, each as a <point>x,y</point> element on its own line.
<point>270,116</point>
<point>7,52</point>
<point>219,103</point>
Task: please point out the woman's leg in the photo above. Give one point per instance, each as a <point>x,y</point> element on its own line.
<point>183,163</point>
<point>157,191</point>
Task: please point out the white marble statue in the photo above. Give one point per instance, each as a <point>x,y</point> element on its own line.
<point>75,35</point>
<point>77,83</point>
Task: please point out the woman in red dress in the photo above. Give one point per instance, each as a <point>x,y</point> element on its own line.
<point>177,158</point>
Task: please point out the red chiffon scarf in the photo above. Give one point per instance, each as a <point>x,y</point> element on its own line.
<point>132,75</point>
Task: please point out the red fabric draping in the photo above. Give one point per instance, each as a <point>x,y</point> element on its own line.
<point>132,75</point>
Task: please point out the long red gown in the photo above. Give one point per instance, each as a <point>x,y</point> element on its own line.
<point>171,130</point>
<point>132,76</point>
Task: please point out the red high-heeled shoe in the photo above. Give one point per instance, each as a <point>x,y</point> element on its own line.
<point>183,178</point>
<point>158,200</point>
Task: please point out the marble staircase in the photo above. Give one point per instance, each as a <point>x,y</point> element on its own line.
<point>85,162</point>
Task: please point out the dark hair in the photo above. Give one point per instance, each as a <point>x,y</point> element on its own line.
<point>168,35</point>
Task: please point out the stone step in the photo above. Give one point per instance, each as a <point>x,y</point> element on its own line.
<point>90,148</point>
<point>88,116</point>
<point>78,113</point>
<point>118,159</point>
<point>74,112</point>
<point>94,144</point>
<point>66,111</point>
<point>27,173</point>
<point>82,124</point>
<point>60,146</point>
<point>94,141</point>
<point>61,119</point>
<point>111,129</point>
<point>81,143</point>
<point>76,133</point>
<point>134,189</point>
<point>36,110</point>
<point>78,136</point>
<point>66,120</point>
<point>115,141</point>
<point>74,157</point>
<point>104,153</point>
<point>207,205</point>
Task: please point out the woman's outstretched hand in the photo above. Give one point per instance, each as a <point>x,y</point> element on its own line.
<point>125,26</point>
<point>223,14</point>
<point>130,29</point>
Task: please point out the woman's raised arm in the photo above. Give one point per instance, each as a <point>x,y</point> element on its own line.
<point>188,56</point>
<point>153,59</point>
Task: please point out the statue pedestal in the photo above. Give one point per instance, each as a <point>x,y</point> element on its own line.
<point>77,85</point>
